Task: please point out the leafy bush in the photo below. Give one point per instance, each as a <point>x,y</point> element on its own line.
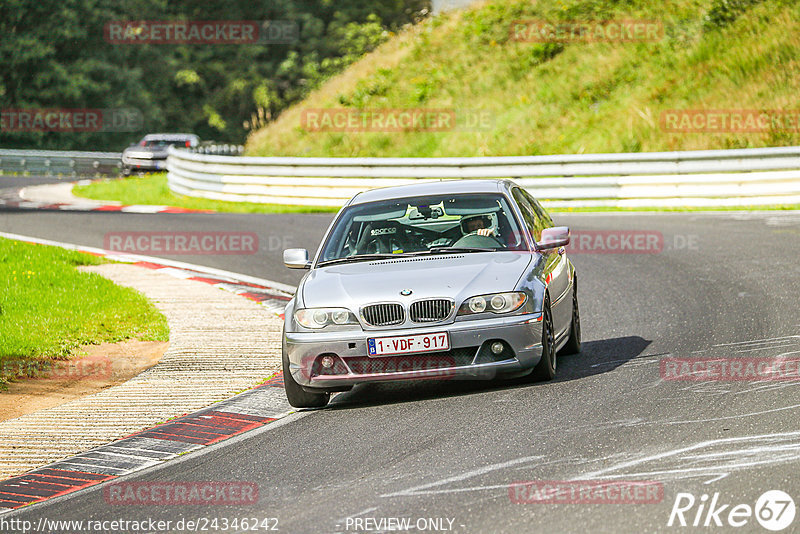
<point>723,12</point>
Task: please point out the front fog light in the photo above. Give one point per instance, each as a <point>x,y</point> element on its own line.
<point>477,304</point>
<point>327,362</point>
<point>497,348</point>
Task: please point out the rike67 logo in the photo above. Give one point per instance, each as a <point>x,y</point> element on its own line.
<point>774,510</point>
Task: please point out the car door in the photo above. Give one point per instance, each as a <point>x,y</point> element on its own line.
<point>556,266</point>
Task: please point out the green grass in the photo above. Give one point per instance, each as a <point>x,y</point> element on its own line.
<point>48,308</point>
<point>153,190</point>
<point>543,98</point>
<point>769,207</point>
<point>550,98</point>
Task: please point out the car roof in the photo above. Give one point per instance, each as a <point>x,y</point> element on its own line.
<point>442,187</point>
<point>169,137</point>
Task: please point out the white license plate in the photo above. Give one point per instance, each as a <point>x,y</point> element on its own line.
<point>383,346</point>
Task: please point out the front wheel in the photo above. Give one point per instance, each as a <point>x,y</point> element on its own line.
<point>546,368</point>
<point>297,396</point>
<point>573,345</point>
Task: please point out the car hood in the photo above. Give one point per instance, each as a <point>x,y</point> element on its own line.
<point>457,276</point>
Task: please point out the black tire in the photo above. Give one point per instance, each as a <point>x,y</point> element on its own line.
<point>298,397</point>
<point>126,171</point>
<point>546,368</point>
<point>573,345</point>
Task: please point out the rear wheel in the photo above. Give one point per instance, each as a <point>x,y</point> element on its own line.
<point>573,345</point>
<point>298,397</point>
<point>546,368</point>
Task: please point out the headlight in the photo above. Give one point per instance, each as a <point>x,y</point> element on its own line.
<point>322,317</point>
<point>495,303</point>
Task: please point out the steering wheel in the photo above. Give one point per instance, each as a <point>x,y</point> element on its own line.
<point>473,239</point>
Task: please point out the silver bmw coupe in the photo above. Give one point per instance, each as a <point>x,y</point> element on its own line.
<point>465,279</point>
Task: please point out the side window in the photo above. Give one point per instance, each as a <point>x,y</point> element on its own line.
<point>527,212</point>
<point>541,214</point>
<point>534,223</point>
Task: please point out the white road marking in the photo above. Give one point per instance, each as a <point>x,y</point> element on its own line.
<point>754,341</point>
<point>641,360</point>
<point>784,344</point>
<point>758,387</point>
<point>710,455</point>
<point>762,456</point>
<point>787,353</point>
<point>421,490</point>
<point>751,414</point>
<point>720,477</point>
<point>143,208</point>
<point>445,491</point>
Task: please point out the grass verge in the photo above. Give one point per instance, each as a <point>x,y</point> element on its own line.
<point>48,308</point>
<point>609,209</point>
<point>561,97</point>
<point>152,189</point>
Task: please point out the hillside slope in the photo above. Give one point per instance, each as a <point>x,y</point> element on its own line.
<point>565,97</point>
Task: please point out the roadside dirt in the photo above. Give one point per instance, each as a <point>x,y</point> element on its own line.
<point>103,366</point>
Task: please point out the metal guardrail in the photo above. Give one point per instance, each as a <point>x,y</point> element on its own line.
<point>209,147</point>
<point>55,163</point>
<point>698,178</point>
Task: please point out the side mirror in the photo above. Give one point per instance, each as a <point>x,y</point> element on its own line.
<point>555,237</point>
<point>296,258</point>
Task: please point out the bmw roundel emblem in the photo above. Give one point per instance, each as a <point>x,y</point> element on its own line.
<point>406,292</point>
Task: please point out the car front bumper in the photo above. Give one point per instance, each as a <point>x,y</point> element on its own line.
<point>469,356</point>
<point>145,163</point>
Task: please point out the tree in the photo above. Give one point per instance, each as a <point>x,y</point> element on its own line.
<point>55,55</point>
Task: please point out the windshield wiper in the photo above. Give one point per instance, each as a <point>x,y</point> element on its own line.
<point>432,250</point>
<point>455,250</point>
<point>357,257</point>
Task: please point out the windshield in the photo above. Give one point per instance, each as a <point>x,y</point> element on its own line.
<point>480,222</point>
<point>160,143</point>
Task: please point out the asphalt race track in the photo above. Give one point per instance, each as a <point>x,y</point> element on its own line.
<point>719,285</point>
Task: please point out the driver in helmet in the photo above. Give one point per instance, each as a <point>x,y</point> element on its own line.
<point>479,224</point>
